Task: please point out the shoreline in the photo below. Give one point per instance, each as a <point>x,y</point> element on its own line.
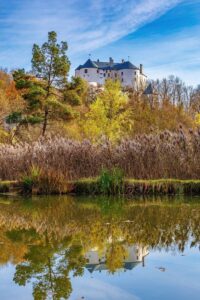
<point>129,187</point>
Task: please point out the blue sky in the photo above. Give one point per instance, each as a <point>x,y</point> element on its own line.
<point>164,35</point>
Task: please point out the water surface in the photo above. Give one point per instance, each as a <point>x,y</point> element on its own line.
<point>99,248</point>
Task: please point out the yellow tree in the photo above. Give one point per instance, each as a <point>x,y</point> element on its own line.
<point>9,98</point>
<point>197,119</point>
<point>109,116</point>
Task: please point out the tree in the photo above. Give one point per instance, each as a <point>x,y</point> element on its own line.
<point>109,115</point>
<point>47,94</point>
<point>9,98</point>
<point>51,64</point>
<point>76,91</point>
<point>195,101</point>
<point>40,105</point>
<point>173,90</point>
<point>197,119</point>
<point>48,265</point>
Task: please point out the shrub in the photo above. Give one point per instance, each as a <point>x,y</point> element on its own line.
<point>51,182</point>
<point>30,179</point>
<point>14,117</point>
<point>111,181</point>
<point>44,181</point>
<point>72,98</point>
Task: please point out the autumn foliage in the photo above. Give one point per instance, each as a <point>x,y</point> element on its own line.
<point>146,135</point>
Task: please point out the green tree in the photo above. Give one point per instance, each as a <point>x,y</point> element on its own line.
<point>109,115</point>
<point>47,94</point>
<point>41,105</point>
<point>51,64</point>
<point>76,91</point>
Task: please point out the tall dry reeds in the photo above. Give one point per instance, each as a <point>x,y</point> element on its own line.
<point>163,155</point>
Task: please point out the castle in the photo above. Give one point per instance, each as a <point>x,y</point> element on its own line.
<point>96,72</point>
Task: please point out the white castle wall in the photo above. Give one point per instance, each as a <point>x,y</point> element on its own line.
<point>127,77</point>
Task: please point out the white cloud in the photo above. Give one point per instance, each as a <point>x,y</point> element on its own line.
<point>99,290</point>
<point>87,24</point>
<point>177,54</point>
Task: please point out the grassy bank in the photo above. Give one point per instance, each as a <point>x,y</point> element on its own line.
<point>141,187</point>
<point>129,187</point>
<point>8,186</point>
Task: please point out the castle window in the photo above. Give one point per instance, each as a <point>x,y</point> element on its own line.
<point>97,71</point>
<point>115,75</point>
<point>108,75</point>
<point>122,80</point>
<point>122,73</point>
<point>135,73</point>
<point>86,70</point>
<point>104,74</point>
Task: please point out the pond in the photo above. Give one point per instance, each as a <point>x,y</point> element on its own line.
<point>99,248</point>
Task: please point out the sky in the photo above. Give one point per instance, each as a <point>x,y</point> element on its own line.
<point>163,35</point>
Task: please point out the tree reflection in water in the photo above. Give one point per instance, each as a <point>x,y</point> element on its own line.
<point>51,239</point>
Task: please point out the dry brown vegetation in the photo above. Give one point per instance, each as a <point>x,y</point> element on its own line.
<point>158,141</point>
<point>164,155</point>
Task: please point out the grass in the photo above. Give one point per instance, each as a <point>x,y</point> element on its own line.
<point>93,186</point>
<point>43,182</point>
<point>111,182</point>
<point>6,186</point>
<point>164,186</point>
<point>142,187</point>
<point>157,155</point>
<point>88,186</point>
<point>169,180</point>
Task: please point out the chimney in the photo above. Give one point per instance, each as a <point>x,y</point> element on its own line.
<point>111,61</point>
<point>98,60</point>
<point>122,61</point>
<point>141,69</point>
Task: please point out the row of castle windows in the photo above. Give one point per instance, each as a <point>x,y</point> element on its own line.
<point>104,74</point>
<point>122,73</point>
<point>122,80</point>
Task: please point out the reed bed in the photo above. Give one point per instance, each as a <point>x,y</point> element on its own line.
<point>163,155</point>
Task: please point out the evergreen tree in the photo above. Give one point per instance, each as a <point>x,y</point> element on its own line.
<point>47,94</point>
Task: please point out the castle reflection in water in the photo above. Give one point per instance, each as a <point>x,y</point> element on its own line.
<point>134,255</point>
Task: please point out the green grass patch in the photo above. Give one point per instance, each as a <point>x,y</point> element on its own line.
<point>141,187</point>
<point>5,186</point>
